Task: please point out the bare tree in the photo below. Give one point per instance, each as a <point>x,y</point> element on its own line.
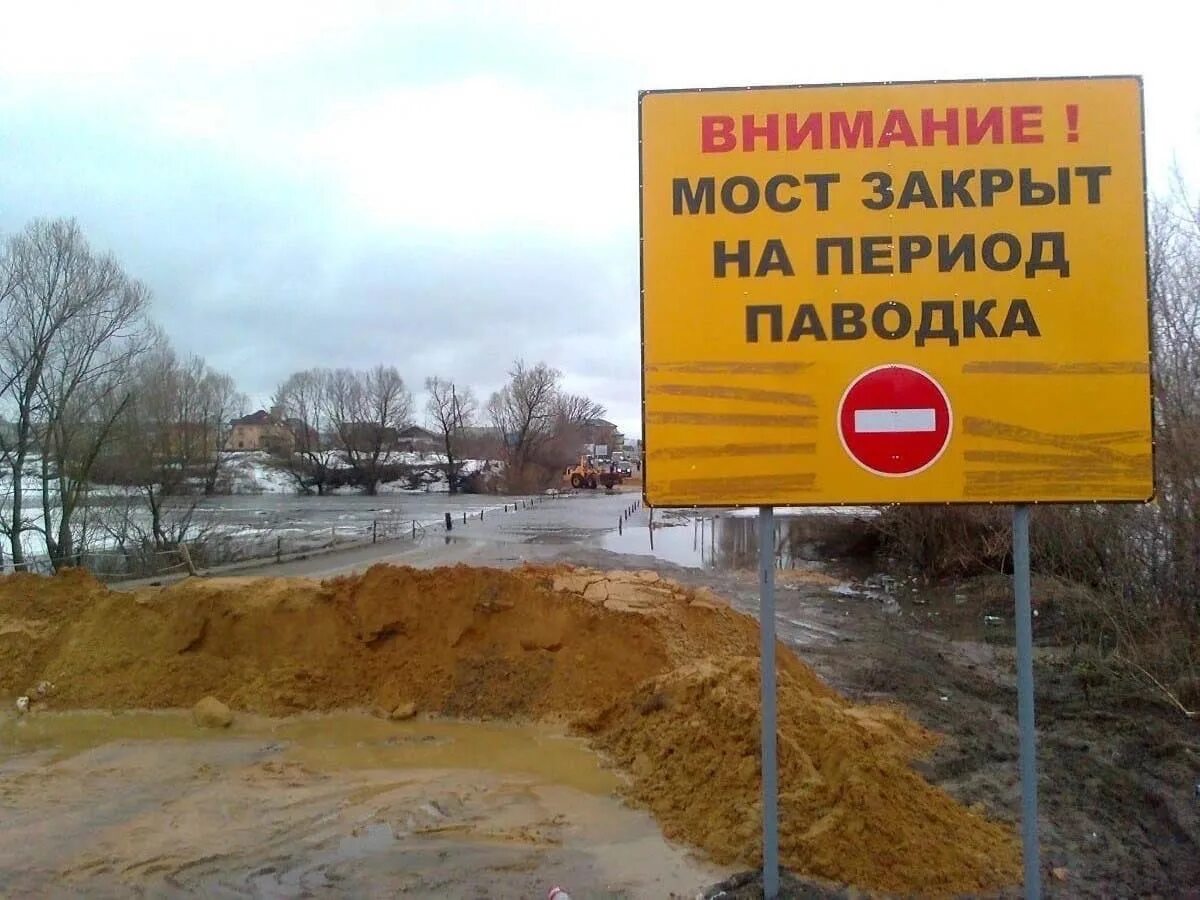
<point>74,324</point>
<point>172,436</point>
<point>301,401</point>
<point>451,410</point>
<point>1175,291</point>
<point>572,415</point>
<point>217,403</point>
<point>86,388</point>
<point>366,410</point>
<point>523,412</point>
<point>576,410</point>
<point>11,371</point>
<point>148,447</point>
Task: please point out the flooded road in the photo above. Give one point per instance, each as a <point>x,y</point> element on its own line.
<point>591,527</point>
<point>728,540</point>
<point>343,805</point>
<point>346,514</point>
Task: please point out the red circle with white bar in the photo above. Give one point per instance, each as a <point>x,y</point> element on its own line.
<point>894,420</point>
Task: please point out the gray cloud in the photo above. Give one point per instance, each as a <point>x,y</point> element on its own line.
<point>446,188</point>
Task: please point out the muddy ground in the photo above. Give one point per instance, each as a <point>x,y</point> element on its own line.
<point>1118,766</point>
<point>1119,769</point>
<point>347,806</point>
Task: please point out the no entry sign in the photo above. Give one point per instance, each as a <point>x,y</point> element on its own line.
<point>894,420</point>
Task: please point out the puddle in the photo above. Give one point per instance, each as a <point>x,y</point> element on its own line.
<point>161,808</point>
<point>729,541</point>
<point>334,742</point>
<point>69,733</point>
<point>364,742</point>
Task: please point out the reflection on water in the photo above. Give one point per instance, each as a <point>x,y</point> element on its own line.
<point>725,542</point>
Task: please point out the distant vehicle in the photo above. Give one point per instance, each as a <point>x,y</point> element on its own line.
<point>624,469</point>
<point>587,475</point>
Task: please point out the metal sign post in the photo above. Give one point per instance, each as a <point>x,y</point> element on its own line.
<point>766,619</point>
<point>1025,717</point>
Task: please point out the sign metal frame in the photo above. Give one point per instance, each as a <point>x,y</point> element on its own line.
<point>1148,477</point>
<point>1021,516</point>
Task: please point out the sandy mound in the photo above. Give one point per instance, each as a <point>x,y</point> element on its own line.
<point>663,678</point>
<point>852,809</point>
<point>33,613</point>
<point>462,641</point>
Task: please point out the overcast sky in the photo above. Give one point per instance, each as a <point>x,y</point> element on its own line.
<point>445,186</point>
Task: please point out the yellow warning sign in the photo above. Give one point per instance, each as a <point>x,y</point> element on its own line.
<point>895,293</point>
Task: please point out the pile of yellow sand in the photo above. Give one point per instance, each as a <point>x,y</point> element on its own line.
<point>661,677</point>
<point>852,810</point>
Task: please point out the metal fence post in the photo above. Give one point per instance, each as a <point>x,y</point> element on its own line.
<point>1025,713</point>
<point>766,619</point>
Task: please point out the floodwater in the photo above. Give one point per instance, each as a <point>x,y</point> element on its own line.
<point>729,541</point>
<point>242,527</point>
<point>590,527</point>
<point>344,514</point>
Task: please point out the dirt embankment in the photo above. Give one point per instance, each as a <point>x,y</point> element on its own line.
<point>661,677</point>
